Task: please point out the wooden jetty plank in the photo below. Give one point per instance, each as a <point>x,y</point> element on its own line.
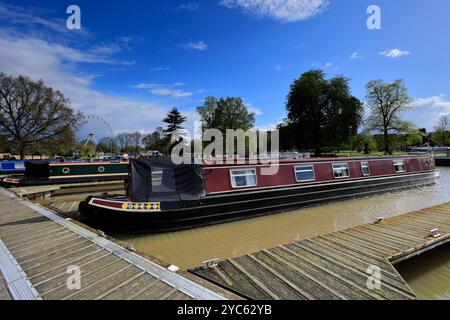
<point>314,288</point>
<point>61,273</point>
<point>71,258</point>
<point>22,232</point>
<point>303,294</point>
<point>105,284</point>
<point>241,282</point>
<point>54,284</point>
<point>371,240</point>
<point>360,265</point>
<point>45,245</point>
<point>127,280</point>
<point>35,237</point>
<point>385,239</point>
<point>156,291</point>
<point>339,262</point>
<point>351,250</point>
<point>88,280</point>
<point>328,274</point>
<point>355,276</point>
<point>133,288</point>
<point>266,278</point>
<point>50,250</point>
<point>39,260</point>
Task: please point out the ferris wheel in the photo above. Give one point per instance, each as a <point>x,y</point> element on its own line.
<point>91,138</point>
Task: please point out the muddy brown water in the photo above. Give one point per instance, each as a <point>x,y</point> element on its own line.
<point>428,275</point>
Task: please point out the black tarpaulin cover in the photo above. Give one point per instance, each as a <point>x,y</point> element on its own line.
<point>160,179</point>
<point>37,170</point>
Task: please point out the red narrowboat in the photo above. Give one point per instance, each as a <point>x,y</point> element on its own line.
<point>162,196</point>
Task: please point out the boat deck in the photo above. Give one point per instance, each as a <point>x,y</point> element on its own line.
<point>38,248</point>
<point>341,265</point>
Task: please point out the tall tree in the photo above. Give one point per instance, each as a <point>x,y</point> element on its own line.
<point>442,128</point>
<point>155,141</point>
<point>31,113</point>
<point>321,112</point>
<point>174,120</point>
<point>207,112</point>
<point>387,101</point>
<point>106,144</point>
<point>225,113</point>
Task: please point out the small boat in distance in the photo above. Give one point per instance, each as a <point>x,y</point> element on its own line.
<point>48,173</point>
<point>12,166</point>
<point>162,196</point>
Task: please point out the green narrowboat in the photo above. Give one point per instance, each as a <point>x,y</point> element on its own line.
<point>45,173</point>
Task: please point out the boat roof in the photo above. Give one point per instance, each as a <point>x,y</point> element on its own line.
<point>213,162</point>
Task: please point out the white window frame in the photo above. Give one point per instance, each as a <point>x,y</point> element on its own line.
<point>232,175</point>
<point>365,164</point>
<point>305,166</point>
<point>395,163</point>
<point>340,164</point>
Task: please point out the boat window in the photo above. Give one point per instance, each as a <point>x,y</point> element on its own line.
<point>304,173</point>
<point>162,180</point>
<point>243,178</point>
<point>341,170</point>
<point>365,168</point>
<point>399,166</point>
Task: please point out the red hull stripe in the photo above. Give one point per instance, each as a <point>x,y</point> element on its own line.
<point>126,206</point>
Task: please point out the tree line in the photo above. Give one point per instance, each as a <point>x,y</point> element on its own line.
<point>322,116</point>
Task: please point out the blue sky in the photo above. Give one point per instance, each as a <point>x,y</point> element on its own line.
<point>134,60</point>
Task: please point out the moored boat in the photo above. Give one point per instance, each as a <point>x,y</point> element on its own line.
<point>12,166</point>
<point>162,196</point>
<point>47,173</point>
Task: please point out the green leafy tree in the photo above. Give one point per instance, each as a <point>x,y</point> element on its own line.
<point>155,141</point>
<point>414,138</point>
<point>364,142</point>
<point>387,101</point>
<point>225,113</point>
<point>32,114</point>
<point>107,145</point>
<point>207,112</point>
<point>441,130</point>
<point>322,113</point>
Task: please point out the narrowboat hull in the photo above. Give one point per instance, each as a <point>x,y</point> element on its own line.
<point>118,215</point>
<point>48,173</point>
<point>12,167</point>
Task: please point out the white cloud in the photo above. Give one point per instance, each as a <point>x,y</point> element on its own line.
<point>165,89</point>
<point>200,45</point>
<point>277,68</point>
<point>30,16</point>
<point>328,65</point>
<point>282,10</point>
<point>55,64</point>
<point>356,56</point>
<point>395,53</point>
<point>427,111</point>
<point>171,92</point>
<point>256,111</point>
<point>192,6</point>
<point>267,127</point>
